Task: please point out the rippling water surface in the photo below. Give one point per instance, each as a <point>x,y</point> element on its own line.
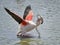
<point>49,30</point>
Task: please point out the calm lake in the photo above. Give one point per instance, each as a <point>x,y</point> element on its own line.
<point>49,30</point>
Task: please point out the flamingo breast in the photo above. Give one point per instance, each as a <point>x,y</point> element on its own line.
<point>31,25</point>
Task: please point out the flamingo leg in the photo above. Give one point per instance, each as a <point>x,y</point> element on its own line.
<point>38,32</point>
<point>21,33</point>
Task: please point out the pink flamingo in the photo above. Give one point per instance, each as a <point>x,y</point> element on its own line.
<point>26,22</point>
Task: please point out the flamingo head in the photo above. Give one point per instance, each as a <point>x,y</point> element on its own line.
<point>39,19</point>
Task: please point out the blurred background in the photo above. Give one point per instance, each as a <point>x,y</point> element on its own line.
<point>49,30</point>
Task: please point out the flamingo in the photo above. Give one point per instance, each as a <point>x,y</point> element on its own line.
<point>26,24</point>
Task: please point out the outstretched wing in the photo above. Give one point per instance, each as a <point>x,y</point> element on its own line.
<point>28,14</point>
<point>16,17</point>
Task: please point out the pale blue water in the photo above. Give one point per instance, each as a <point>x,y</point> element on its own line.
<point>49,30</point>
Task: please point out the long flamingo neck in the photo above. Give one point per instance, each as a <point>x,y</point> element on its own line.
<point>37,23</point>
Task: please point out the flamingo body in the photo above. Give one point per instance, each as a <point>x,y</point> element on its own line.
<point>26,22</point>
<point>28,27</point>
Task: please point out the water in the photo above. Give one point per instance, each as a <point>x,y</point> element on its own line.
<point>49,30</point>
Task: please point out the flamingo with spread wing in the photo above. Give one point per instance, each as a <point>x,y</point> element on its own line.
<point>26,22</point>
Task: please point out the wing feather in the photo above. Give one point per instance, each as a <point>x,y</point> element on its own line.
<point>28,14</point>
<point>13,15</point>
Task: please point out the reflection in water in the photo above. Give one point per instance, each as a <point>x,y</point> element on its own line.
<point>29,41</point>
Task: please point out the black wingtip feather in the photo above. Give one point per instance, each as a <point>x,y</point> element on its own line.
<point>28,8</point>
<point>13,15</point>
